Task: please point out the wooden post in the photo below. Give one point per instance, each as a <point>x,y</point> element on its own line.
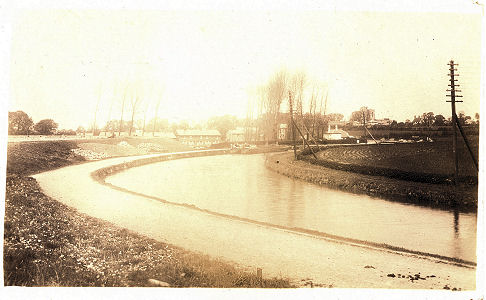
<point>454,116</point>
<point>292,124</point>
<point>305,141</point>
<point>475,161</point>
<point>364,123</point>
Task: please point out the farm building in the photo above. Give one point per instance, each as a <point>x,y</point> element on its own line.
<point>335,133</point>
<point>236,135</point>
<point>198,138</point>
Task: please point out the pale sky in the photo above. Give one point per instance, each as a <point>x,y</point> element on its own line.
<point>206,63</point>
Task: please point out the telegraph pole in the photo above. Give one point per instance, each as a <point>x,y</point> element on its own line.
<point>364,123</point>
<point>292,124</point>
<point>453,101</point>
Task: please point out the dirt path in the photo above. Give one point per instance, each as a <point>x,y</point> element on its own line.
<point>278,252</point>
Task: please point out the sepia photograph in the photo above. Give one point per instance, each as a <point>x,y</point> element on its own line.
<point>211,149</point>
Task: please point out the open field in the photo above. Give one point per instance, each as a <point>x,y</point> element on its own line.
<point>435,158</point>
<point>461,197</point>
<point>434,132</point>
<point>33,157</point>
<point>421,162</point>
<point>47,243</point>
<point>25,158</point>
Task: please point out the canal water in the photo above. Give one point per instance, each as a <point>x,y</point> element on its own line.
<point>240,185</point>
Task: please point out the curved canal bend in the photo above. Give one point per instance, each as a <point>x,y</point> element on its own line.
<point>240,185</point>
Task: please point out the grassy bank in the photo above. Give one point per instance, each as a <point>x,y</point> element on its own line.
<point>463,198</point>
<point>34,157</point>
<point>49,244</point>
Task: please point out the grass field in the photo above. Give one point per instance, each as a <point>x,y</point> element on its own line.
<point>417,158</point>
<point>34,157</point>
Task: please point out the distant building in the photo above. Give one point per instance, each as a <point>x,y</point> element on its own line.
<point>165,134</point>
<point>236,135</point>
<point>333,131</point>
<point>198,138</point>
<point>282,131</point>
<point>383,122</point>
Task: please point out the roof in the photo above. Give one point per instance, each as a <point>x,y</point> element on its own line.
<point>239,130</point>
<point>339,123</point>
<point>193,132</point>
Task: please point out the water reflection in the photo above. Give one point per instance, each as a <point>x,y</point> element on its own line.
<point>241,186</point>
<point>456,223</point>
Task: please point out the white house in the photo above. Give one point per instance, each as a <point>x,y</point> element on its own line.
<point>333,131</point>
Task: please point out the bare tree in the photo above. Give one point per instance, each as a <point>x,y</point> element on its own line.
<point>261,92</point>
<point>110,110</point>
<point>297,85</point>
<point>276,92</point>
<point>145,108</point>
<point>248,120</point>
<point>158,96</point>
<point>312,109</point>
<point>316,97</point>
<point>98,90</point>
<point>124,97</point>
<point>135,101</point>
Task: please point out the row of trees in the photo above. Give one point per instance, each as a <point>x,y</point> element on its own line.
<point>428,119</point>
<point>309,106</point>
<point>139,99</point>
<point>19,123</point>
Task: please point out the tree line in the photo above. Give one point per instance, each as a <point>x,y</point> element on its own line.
<point>270,107</point>
<point>19,123</point>
<point>428,119</point>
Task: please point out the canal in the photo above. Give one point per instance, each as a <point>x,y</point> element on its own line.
<point>240,185</point>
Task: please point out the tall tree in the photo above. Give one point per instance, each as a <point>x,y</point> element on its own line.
<point>134,102</point>
<point>158,96</point>
<point>276,92</point>
<point>124,97</point>
<point>110,110</point>
<point>46,126</point>
<point>223,124</point>
<point>297,84</point>
<point>335,117</point>
<point>19,123</point>
<point>439,120</point>
<point>99,90</point>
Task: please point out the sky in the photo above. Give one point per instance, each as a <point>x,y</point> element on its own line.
<point>203,63</point>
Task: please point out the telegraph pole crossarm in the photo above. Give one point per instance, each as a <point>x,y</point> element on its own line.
<point>292,124</point>
<point>454,118</point>
<point>455,121</point>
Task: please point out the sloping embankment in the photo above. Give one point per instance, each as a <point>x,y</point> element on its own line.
<point>437,195</point>
<point>102,173</point>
